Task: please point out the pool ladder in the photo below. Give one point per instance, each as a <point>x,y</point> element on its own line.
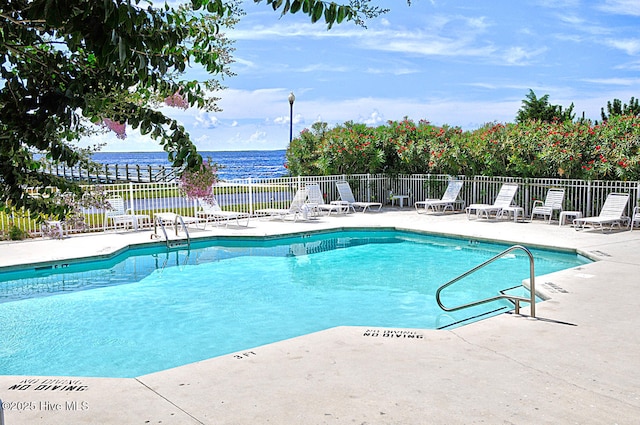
<point>178,224</point>
<point>514,298</point>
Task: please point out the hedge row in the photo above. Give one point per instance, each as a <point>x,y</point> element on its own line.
<point>580,150</point>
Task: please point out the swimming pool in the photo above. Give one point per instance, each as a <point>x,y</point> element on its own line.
<point>151,309</point>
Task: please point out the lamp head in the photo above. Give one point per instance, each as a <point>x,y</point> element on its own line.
<point>292,98</point>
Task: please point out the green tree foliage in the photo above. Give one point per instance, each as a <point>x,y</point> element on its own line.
<point>541,110</point>
<point>617,108</point>
<point>357,11</point>
<point>67,65</point>
<point>580,150</point>
<point>70,64</point>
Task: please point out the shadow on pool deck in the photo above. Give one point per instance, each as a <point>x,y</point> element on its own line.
<point>577,363</point>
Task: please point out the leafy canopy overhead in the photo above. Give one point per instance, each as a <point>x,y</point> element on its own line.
<point>67,65</point>
<point>357,11</point>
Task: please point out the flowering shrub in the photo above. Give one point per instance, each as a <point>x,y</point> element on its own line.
<point>579,150</point>
<point>350,147</point>
<point>176,100</point>
<point>117,127</point>
<point>198,184</point>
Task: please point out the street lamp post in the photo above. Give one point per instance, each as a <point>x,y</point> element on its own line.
<point>292,99</point>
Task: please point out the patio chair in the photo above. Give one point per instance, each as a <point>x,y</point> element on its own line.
<point>116,213</point>
<point>211,211</point>
<point>316,202</point>
<point>612,213</point>
<point>346,195</point>
<point>297,208</point>
<point>501,204</point>
<point>448,200</point>
<point>552,202</point>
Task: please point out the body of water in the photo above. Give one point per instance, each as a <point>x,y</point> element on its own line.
<point>151,309</point>
<point>235,164</point>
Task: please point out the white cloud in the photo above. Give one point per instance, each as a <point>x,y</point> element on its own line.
<point>205,120</point>
<point>520,55</point>
<point>429,46</point>
<point>572,20</point>
<point>257,137</point>
<point>630,46</point>
<point>614,81</point>
<point>374,119</point>
<point>287,29</point>
<point>393,70</point>
<point>621,7</point>
<point>323,67</point>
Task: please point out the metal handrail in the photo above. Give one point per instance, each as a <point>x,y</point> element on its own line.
<point>516,299</point>
<point>159,221</point>
<point>184,227</point>
<point>177,221</point>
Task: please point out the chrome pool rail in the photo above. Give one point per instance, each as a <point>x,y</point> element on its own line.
<point>516,299</point>
<point>178,222</point>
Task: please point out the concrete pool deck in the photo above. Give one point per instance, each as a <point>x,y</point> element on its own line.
<point>578,362</point>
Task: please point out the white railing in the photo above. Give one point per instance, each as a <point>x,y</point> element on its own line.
<point>248,195</point>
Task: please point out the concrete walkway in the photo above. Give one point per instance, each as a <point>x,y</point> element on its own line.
<point>579,362</point>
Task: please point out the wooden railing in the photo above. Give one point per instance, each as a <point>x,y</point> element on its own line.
<point>114,173</point>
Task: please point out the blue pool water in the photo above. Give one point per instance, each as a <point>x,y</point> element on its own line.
<point>152,309</point>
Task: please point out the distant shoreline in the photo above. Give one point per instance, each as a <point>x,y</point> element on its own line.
<point>234,164</point>
<point>199,151</point>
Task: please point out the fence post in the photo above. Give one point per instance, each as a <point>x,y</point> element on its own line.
<point>474,190</point>
<point>133,208</point>
<point>527,196</point>
<point>249,183</point>
<point>589,206</point>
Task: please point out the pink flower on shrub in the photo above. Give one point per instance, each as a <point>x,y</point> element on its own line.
<point>117,127</point>
<point>176,100</point>
<point>198,184</point>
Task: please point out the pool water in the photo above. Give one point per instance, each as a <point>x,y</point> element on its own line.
<point>154,309</point>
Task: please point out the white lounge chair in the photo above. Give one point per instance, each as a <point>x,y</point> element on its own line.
<point>346,195</point>
<point>316,202</point>
<point>298,208</point>
<point>448,200</point>
<point>211,211</point>
<point>501,204</point>
<point>612,213</point>
<point>117,214</point>
<point>552,202</point>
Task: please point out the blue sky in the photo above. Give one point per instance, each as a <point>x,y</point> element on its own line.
<point>457,62</point>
